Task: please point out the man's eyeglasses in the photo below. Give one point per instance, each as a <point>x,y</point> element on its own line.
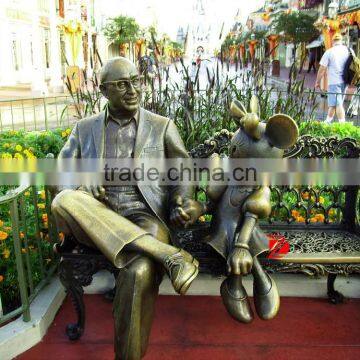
<point>124,84</point>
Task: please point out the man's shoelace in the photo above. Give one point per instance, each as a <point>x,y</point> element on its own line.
<point>173,260</point>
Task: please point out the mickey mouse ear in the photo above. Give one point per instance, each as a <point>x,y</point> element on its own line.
<point>237,109</point>
<point>282,131</point>
<point>254,105</point>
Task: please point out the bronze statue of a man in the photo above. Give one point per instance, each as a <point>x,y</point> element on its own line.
<point>128,223</point>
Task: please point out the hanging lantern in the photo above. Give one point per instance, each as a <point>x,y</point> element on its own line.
<point>242,50</point>
<point>252,47</point>
<point>138,46</point>
<point>330,27</point>
<point>273,42</point>
<point>232,50</point>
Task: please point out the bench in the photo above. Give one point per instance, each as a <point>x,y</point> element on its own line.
<point>328,246</point>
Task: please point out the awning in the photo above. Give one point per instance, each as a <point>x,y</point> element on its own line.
<point>316,43</point>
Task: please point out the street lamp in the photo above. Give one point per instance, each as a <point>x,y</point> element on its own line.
<point>333,9</point>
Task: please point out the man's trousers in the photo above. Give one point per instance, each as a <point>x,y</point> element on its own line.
<point>137,285</point>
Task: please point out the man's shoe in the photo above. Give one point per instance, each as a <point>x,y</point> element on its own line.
<point>182,269</point>
<point>267,305</point>
<point>236,302</point>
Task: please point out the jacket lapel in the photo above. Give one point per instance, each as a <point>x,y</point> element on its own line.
<point>98,132</point>
<point>144,130</point>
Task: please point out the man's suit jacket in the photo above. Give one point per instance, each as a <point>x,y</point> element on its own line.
<point>156,137</point>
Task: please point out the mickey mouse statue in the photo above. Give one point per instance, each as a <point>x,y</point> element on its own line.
<point>234,230</point>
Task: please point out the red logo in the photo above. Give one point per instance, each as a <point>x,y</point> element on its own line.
<point>278,246</point>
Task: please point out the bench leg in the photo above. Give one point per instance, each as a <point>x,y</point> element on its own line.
<point>74,288</point>
<point>334,296</point>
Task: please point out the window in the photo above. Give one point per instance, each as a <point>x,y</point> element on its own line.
<point>46,33</point>
<point>16,53</point>
<point>43,5</point>
<point>62,50</point>
<point>32,53</point>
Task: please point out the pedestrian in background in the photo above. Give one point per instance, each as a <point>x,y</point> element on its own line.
<point>312,59</point>
<point>333,61</point>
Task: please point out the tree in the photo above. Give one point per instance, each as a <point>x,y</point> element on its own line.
<point>121,30</point>
<point>297,27</point>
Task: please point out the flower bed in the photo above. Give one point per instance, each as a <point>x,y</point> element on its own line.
<point>35,144</point>
<point>38,251</point>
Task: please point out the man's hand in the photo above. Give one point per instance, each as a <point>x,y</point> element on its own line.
<point>240,261</point>
<point>97,191</point>
<point>185,213</point>
<point>319,77</point>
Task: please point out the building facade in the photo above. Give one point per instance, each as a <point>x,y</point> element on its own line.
<point>42,39</point>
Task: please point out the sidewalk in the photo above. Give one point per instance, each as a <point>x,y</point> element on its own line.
<point>22,92</point>
<point>283,79</point>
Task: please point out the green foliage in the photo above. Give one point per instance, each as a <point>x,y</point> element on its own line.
<point>341,130</point>
<point>38,252</point>
<point>298,26</point>
<point>37,144</point>
<point>260,34</point>
<point>198,114</point>
<point>243,37</point>
<point>229,40</point>
<point>121,30</point>
<point>176,46</point>
<point>86,99</point>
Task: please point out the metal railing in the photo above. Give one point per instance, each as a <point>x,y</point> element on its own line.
<point>318,109</point>
<point>27,260</point>
<point>37,114</point>
<point>62,111</point>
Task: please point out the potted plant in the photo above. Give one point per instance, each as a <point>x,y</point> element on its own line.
<point>122,30</point>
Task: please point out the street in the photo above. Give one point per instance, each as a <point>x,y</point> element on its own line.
<point>59,111</point>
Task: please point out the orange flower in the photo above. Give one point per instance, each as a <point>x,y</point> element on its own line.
<point>295,213</point>
<point>22,235</point>
<point>44,217</point>
<point>300,219</point>
<point>61,236</point>
<point>3,235</point>
<point>313,220</point>
<point>305,195</point>
<point>320,217</point>
<point>1,278</point>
